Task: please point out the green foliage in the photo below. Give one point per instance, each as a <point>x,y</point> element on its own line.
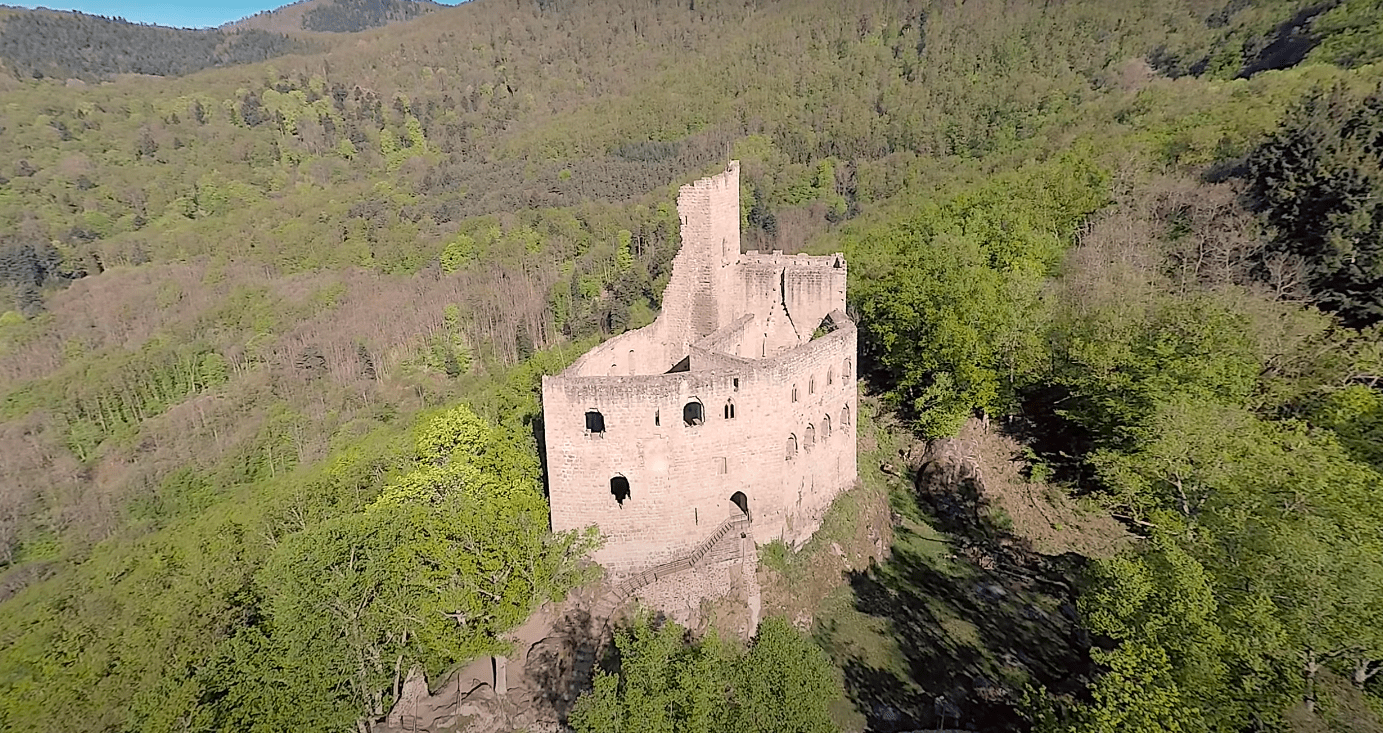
<point>446,557</point>
<point>1195,347</point>
<point>949,297</point>
<point>774,555</point>
<point>97,398</point>
<point>1166,671</point>
<point>783,682</point>
<point>623,256</point>
<point>1318,179</point>
<point>15,330</point>
<point>348,16</point>
<point>1136,695</point>
<point>1355,415</point>
<point>459,253</point>
<point>1351,33</point>
<point>40,44</point>
<point>303,631</point>
<point>447,351</point>
<point>1258,566</point>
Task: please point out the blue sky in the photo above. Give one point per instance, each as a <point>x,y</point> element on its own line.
<point>182,15</point>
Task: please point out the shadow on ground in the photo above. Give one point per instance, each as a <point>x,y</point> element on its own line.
<point>975,616</point>
<point>552,662</point>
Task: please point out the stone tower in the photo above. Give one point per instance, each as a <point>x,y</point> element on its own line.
<point>739,400</point>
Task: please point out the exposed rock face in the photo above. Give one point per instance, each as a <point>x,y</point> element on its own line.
<point>472,707</point>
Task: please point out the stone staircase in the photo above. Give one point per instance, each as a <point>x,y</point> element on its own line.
<point>585,657</point>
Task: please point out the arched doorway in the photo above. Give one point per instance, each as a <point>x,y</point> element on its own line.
<point>742,502</point>
<point>693,414</point>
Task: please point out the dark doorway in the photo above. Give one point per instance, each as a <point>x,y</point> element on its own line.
<point>619,488</point>
<point>693,414</point>
<point>740,500</point>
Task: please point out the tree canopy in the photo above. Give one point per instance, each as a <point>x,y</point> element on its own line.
<point>783,682</point>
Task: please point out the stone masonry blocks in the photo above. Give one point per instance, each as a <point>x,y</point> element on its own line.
<point>762,386</point>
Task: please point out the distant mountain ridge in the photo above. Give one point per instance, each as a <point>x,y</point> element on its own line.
<point>40,43</point>
<point>336,16</point>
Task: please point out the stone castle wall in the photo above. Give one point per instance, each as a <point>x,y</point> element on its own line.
<point>681,477</point>
<point>734,342</point>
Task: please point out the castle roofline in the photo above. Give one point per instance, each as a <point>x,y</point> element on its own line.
<point>724,179</point>
<point>835,260</point>
<point>724,364</point>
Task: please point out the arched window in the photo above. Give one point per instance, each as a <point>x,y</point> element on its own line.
<point>811,386</point>
<point>792,447</point>
<point>693,414</point>
<point>825,427</point>
<point>794,393</point>
<point>845,416</point>
<point>809,439</point>
<point>619,488</point>
<point>830,376</point>
<point>846,373</point>
<point>729,409</point>
<point>595,422</point>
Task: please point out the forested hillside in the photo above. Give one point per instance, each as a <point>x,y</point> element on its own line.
<point>271,336</point>
<point>337,16</point>
<point>45,43</point>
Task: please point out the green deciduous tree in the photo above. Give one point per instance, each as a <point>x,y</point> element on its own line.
<point>949,296</point>
<point>667,684</point>
<point>449,555</point>
<point>1263,566</point>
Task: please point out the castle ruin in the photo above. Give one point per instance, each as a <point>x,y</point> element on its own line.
<point>738,402</point>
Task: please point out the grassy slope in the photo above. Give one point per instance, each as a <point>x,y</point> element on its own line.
<point>910,612</point>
